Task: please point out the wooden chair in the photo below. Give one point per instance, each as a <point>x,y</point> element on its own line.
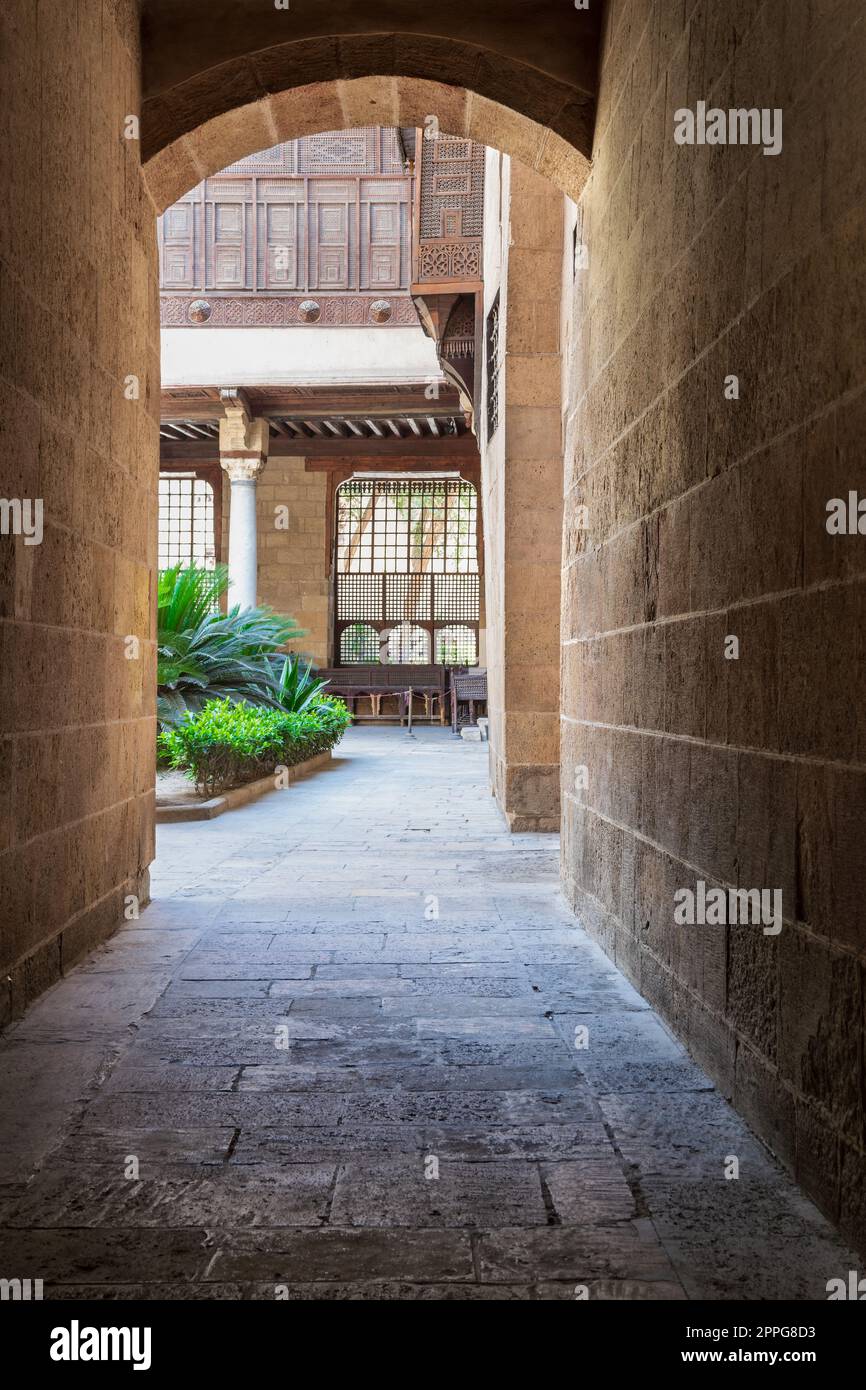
<point>468,686</point>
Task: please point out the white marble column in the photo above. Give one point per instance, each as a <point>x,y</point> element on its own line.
<point>243,455</point>
<point>243,549</point>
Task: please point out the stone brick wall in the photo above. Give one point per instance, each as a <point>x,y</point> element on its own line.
<point>293,561</point>
<point>78,306</point>
<point>706,520</point>
<point>522,497</point>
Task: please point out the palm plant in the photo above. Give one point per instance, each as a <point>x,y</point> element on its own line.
<point>187,593</point>
<point>203,654</point>
<point>297,686</point>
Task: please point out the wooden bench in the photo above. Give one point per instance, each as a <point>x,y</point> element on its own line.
<point>353,683</point>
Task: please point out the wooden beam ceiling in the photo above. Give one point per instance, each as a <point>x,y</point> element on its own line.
<point>325,428</point>
<point>203,402</point>
<point>444,451</point>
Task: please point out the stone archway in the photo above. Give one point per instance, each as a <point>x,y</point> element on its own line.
<point>268,73</point>
<point>340,104</point>
<point>526,781</point>
<point>531,100</point>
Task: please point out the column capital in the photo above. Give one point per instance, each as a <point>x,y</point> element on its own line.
<point>243,440</point>
<point>242,468</point>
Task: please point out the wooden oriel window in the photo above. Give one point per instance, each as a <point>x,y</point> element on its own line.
<point>329,212</point>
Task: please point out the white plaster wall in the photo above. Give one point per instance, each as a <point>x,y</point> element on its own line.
<point>296,356</point>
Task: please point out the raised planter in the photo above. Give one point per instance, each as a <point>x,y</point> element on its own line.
<point>190,806</point>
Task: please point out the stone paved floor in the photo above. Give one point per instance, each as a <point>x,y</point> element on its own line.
<point>428,982</point>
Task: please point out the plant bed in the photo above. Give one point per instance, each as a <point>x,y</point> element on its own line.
<point>178,800</point>
<point>205,655</point>
<point>227,745</point>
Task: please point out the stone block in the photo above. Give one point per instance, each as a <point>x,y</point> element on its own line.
<point>754,717</point>
<point>532,380</point>
<point>674,562</point>
<point>753,1002</point>
<point>657,876</point>
<point>712,823</point>
<point>765,1103</point>
<point>765,847</point>
<point>418,99</point>
<point>708,1037</point>
<point>532,737</point>
<point>831,469</point>
<point>667,797</point>
<point>685,692</point>
<point>852,1197</point>
<point>821,1027</point>
<point>717,543</point>
<point>816,1163</point>
<point>818,657</point>
<point>368,100</point>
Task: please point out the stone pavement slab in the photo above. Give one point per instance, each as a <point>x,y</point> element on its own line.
<point>359,1048</point>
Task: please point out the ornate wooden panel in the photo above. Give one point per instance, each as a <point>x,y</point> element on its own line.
<point>451,214</point>
<point>283,245</point>
<point>178,246</point>
<point>271,311</point>
<point>327,215</point>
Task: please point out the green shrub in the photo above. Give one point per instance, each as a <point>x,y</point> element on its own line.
<point>228,743</point>
<point>297,687</point>
<point>203,654</point>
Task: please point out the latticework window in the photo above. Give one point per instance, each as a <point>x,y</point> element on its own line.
<point>186,521</point>
<point>407,526</point>
<point>456,646</point>
<point>493,360</point>
<point>359,645</point>
<point>407,566</point>
<point>409,644</point>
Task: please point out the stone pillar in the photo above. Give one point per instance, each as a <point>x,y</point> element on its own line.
<point>243,455</point>
<point>522,481</point>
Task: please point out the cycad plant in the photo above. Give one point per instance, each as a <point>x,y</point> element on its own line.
<point>297,686</point>
<point>203,654</point>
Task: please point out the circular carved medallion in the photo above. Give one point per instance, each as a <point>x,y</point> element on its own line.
<point>200,311</point>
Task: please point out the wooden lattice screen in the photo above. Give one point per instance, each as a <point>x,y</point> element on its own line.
<point>407,582</point>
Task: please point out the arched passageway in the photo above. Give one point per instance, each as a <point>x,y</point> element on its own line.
<point>713,408</point>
